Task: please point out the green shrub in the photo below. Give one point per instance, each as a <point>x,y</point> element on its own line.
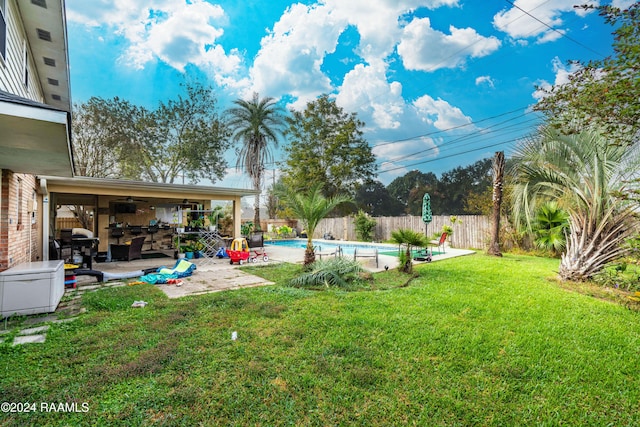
<point>365,226</point>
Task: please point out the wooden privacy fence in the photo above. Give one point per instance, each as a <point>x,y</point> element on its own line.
<point>67,223</point>
<point>472,232</point>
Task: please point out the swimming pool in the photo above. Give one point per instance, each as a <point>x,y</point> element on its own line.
<point>329,246</point>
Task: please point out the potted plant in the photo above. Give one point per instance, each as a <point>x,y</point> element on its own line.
<point>246,228</point>
<point>198,247</point>
<point>213,217</point>
<point>187,250</point>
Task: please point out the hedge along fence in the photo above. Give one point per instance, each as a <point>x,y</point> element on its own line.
<point>472,232</point>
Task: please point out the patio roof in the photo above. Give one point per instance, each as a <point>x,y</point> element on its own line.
<point>35,137</point>
<point>117,187</point>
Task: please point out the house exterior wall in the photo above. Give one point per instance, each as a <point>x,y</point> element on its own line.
<point>20,224</point>
<point>12,70</point>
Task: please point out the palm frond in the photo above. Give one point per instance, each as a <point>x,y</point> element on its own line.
<point>340,272</point>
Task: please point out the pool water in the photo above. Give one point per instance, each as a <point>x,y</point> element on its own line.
<point>348,248</point>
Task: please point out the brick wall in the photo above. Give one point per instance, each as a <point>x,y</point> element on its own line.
<point>20,233</point>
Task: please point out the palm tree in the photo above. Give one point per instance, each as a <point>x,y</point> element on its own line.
<point>311,207</point>
<point>498,179</point>
<point>257,124</point>
<point>551,224</point>
<point>591,179</point>
<point>404,236</point>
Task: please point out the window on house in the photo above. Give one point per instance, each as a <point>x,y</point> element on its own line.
<point>3,29</point>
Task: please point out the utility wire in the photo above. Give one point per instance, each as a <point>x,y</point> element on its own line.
<point>448,156</point>
<point>563,34</point>
<point>482,134</point>
<point>448,148</point>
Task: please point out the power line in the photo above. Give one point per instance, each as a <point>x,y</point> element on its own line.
<point>448,156</point>
<point>563,34</point>
<point>479,134</point>
<point>451,155</point>
<point>449,129</point>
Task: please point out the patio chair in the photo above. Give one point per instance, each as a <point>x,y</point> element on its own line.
<point>366,254</point>
<point>117,233</point>
<point>65,242</point>
<point>128,252</point>
<point>153,229</point>
<point>440,242</point>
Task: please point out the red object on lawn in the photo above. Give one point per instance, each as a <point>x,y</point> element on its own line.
<point>238,256</point>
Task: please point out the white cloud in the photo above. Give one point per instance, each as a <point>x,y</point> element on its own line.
<point>562,73</point>
<point>622,4</point>
<point>423,48</point>
<point>175,32</point>
<point>519,24</point>
<point>550,36</point>
<point>439,113</point>
<point>365,89</point>
<point>487,80</point>
<point>291,55</point>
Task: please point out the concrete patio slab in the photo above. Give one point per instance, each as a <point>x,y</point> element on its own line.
<point>41,319</point>
<point>29,339</point>
<point>31,331</point>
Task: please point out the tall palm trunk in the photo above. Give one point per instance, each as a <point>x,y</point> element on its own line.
<point>498,178</point>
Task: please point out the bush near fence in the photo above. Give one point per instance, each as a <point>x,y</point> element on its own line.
<point>472,232</point>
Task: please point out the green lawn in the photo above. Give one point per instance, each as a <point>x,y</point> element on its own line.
<point>474,340</point>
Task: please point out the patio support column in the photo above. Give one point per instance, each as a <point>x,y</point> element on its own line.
<point>237,216</point>
<point>45,219</point>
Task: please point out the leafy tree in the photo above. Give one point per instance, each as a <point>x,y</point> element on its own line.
<point>458,191</point>
<point>456,185</point>
<point>603,92</point>
<point>276,206</point>
<point>256,124</point>
<point>91,155</point>
<point>409,238</point>
<point>374,198</point>
<point>182,137</point>
<point>327,147</point>
<point>479,203</point>
<point>588,177</point>
<point>410,187</point>
<point>311,207</point>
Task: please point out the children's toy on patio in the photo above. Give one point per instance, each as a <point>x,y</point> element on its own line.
<point>239,251</point>
<point>256,243</point>
<point>165,275</point>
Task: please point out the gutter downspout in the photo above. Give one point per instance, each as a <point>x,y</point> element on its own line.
<point>45,218</point>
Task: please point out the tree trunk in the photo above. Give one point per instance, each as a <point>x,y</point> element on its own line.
<point>256,213</point>
<point>591,246</point>
<point>498,178</point>
<point>309,253</point>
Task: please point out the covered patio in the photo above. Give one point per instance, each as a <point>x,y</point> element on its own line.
<point>116,210</point>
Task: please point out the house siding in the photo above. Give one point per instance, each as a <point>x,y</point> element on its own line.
<point>20,238</point>
<point>12,69</point>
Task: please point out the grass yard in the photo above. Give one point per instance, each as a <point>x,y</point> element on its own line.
<point>475,340</point>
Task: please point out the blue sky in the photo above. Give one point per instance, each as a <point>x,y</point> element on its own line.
<point>439,83</point>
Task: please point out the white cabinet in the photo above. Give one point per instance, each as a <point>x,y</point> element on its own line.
<point>32,287</point>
